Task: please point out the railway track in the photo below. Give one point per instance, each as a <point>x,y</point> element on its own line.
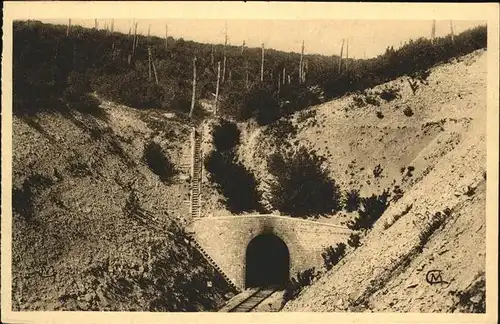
<point>254,299</point>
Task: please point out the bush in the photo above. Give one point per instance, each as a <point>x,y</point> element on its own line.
<point>397,193</point>
<point>226,135</point>
<point>389,94</point>
<point>371,209</point>
<point>296,285</point>
<point>380,115</point>
<point>23,199</point>
<point>237,185</point>
<point>158,162</point>
<point>358,101</point>
<point>377,171</point>
<point>354,240</point>
<point>302,187</point>
<point>332,255</point>
<point>372,100</point>
<point>436,221</point>
<point>408,112</point>
<point>351,200</point>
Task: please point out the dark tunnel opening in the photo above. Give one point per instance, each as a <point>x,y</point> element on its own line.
<point>267,262</point>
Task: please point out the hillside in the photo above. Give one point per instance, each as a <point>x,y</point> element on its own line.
<point>101,190</point>
<point>438,223</point>
<point>93,227</point>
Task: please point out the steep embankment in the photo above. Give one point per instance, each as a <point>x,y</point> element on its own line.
<point>439,222</point>
<point>93,227</point>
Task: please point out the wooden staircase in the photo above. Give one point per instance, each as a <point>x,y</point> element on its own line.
<point>196,175</point>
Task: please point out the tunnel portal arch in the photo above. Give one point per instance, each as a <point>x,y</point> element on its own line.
<point>267,262</point>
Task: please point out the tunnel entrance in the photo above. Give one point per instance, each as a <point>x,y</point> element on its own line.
<point>267,262</point>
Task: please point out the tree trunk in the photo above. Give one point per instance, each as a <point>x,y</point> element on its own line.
<point>217,89</point>
<point>262,65</point>
<point>149,62</point>
<point>246,74</point>
<point>341,52</point>
<point>452,33</point>
<point>433,31</point>
<point>301,63</point>
<point>212,56</point>
<point>284,75</point>
<point>347,57</point>
<point>154,70</point>
<point>193,98</point>
<point>224,69</point>
<point>69,27</point>
<point>166,37</point>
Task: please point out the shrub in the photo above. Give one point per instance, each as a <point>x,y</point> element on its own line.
<point>296,285</point>
<point>380,115</point>
<point>473,298</point>
<point>470,191</point>
<point>158,162</point>
<point>226,135</point>
<point>371,209</point>
<point>409,171</point>
<point>354,240</point>
<point>436,221</point>
<point>397,193</point>
<point>351,200</point>
<point>302,187</point>
<point>408,112</point>
<point>372,100</point>
<point>237,185</point>
<point>377,171</point>
<point>389,94</point>
<point>332,255</point>
<point>358,101</point>
<point>133,208</point>
<point>23,199</point>
<point>88,105</point>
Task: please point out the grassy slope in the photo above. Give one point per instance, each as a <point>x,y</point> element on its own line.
<point>388,272</point>
<point>79,249</point>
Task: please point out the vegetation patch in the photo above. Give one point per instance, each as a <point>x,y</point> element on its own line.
<point>370,211</point>
<point>351,200</point>
<point>301,186</point>
<point>232,180</point>
<point>298,283</point>
<point>333,254</point>
<point>23,199</point>
<point>158,162</point>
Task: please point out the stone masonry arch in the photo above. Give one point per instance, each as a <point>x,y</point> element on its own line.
<point>226,239</point>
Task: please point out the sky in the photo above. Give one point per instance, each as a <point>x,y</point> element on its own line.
<point>367,38</point>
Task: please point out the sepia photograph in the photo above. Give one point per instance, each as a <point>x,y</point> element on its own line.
<point>259,165</point>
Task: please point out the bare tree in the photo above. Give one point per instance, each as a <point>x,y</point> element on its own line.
<point>262,65</point>
<point>341,52</point>
<point>166,36</point>
<point>217,89</point>
<point>451,32</point>
<point>69,27</point>
<point>193,98</point>
<point>301,66</point>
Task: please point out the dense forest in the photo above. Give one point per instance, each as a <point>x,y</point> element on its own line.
<point>55,68</point>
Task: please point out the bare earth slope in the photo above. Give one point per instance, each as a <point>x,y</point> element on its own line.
<point>439,223</point>
<point>93,227</point>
